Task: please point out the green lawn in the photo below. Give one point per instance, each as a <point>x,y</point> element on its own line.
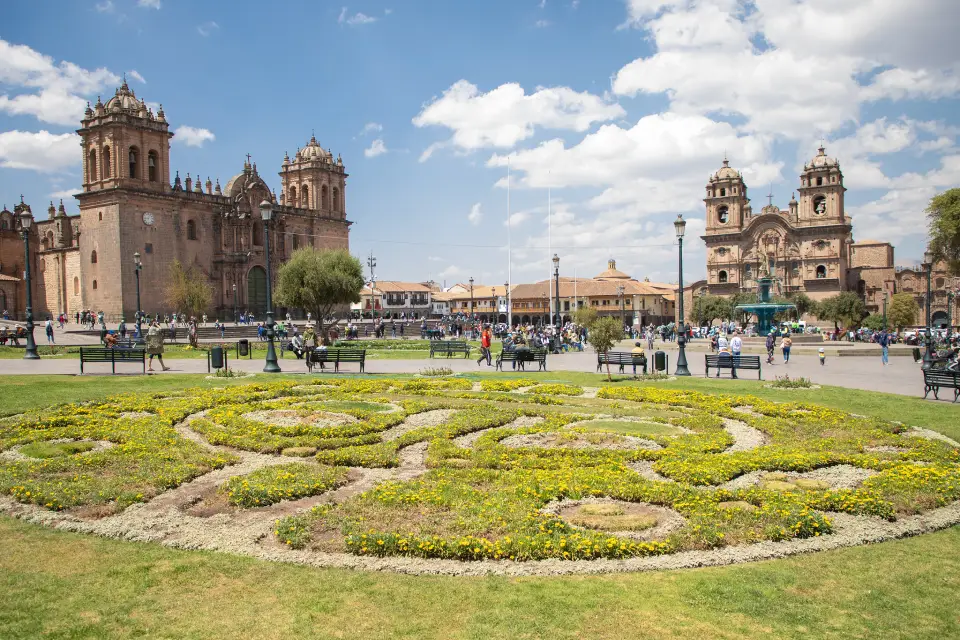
<point>58,584</point>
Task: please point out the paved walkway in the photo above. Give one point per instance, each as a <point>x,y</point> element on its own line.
<point>901,376</point>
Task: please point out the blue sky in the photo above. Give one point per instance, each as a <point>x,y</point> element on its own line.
<point>621,107</point>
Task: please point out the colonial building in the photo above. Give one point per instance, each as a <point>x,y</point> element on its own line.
<point>129,205</point>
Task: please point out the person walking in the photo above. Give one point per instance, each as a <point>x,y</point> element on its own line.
<point>785,345</point>
<point>49,330</point>
<point>155,345</point>
<point>486,339</point>
<point>823,356</point>
<point>884,342</point>
<point>771,345</point>
<point>736,345</point>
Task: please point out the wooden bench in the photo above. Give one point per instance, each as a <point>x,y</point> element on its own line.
<point>620,359</point>
<point>449,347</point>
<point>718,362</point>
<point>934,379</point>
<point>522,357</point>
<point>336,356</point>
<point>113,356</point>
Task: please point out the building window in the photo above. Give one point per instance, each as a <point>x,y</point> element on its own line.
<point>148,247</point>
<point>152,166</point>
<point>132,158</point>
<point>795,268</point>
<point>94,285</point>
<point>821,272</point>
<point>723,215</point>
<point>106,162</point>
<point>722,277</point>
<point>723,192</point>
<point>324,196</point>
<point>296,242</point>
<point>258,234</point>
<point>293,196</point>
<point>819,181</point>
<point>819,205</point>
<point>191,230</point>
<point>305,196</point>
<point>100,216</point>
<point>748,272</point>
<point>93,257</point>
<point>336,199</point>
<point>43,265</point>
<point>76,286</point>
<point>92,166</point>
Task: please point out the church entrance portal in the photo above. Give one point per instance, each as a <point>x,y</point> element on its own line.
<point>257,292</point>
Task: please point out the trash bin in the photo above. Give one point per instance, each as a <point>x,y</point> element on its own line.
<point>216,357</point>
<point>243,347</point>
<point>660,361</point>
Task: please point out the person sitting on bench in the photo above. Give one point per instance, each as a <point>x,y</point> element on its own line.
<point>726,362</point>
<point>639,358</point>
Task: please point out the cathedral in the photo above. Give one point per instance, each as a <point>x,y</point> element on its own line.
<point>129,205</point>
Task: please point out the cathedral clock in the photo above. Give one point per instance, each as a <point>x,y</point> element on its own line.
<point>148,218</point>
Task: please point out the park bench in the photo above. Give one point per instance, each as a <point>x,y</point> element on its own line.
<point>449,347</point>
<point>113,356</point>
<point>718,362</point>
<point>934,379</point>
<point>336,355</point>
<point>620,359</point>
<point>522,357</point>
<point>433,334</point>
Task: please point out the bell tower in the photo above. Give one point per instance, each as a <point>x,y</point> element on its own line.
<point>727,203</point>
<point>821,191</point>
<point>315,181</point>
<point>125,144</point>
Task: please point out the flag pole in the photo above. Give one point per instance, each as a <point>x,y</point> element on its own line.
<point>509,253</point>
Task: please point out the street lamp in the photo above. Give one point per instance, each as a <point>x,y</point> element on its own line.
<point>137,265</point>
<point>471,303</point>
<point>885,295</point>
<point>236,316</point>
<point>556,289</point>
<point>620,290</point>
<point>506,295</point>
<point>26,219</point>
<point>928,353</point>
<point>266,212</point>
<point>493,302</point>
<point>680,226</point>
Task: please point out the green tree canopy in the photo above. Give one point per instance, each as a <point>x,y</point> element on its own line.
<point>804,303</point>
<point>902,310</point>
<point>874,322</point>
<point>187,290</point>
<point>585,316</point>
<point>708,308</point>
<point>943,215</point>
<point>846,307</point>
<point>319,282</point>
<point>603,334</point>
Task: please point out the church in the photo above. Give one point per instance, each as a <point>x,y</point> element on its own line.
<point>129,205</point>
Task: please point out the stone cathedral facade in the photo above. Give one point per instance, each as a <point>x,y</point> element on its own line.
<point>129,204</point>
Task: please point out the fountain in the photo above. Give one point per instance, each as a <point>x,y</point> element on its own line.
<point>763,308</point>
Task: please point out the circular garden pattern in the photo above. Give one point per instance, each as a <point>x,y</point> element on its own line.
<point>450,476</point>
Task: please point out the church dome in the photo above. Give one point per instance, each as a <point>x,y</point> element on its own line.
<point>822,160</point>
<point>313,152</point>
<point>612,273</point>
<point>123,99</point>
<point>726,171</point>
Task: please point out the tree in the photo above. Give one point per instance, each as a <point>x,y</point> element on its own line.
<point>706,309</point>
<point>187,290</point>
<point>585,316</point>
<point>804,304</point>
<point>943,215</point>
<point>902,310</point>
<point>741,317</point>
<point>846,307</point>
<point>319,282</point>
<point>874,322</point>
<point>603,334</point>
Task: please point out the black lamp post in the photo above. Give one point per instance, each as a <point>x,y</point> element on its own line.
<point>680,226</point>
<point>884,310</point>
<point>137,265</point>
<point>493,307</point>
<point>928,352</point>
<point>471,304</point>
<point>556,288</point>
<point>266,212</point>
<point>26,219</point>
<point>620,291</point>
<point>236,316</point>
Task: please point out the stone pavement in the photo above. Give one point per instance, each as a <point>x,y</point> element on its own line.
<point>902,376</point>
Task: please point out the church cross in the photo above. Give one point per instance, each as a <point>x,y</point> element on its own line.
<point>770,197</point>
<point>21,198</point>
<point>248,158</point>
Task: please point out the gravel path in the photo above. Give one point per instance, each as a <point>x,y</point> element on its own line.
<point>471,438</point>
<point>646,470</point>
<point>841,476</point>
<point>426,419</point>
<point>745,437</point>
<point>553,440</point>
<point>920,432</point>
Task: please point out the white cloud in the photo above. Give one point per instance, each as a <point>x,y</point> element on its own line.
<point>517,218</point>
<point>900,84</point>
<point>104,7</point>
<point>355,19</point>
<point>541,24</point>
<point>377,148</point>
<point>65,193</point>
<point>149,4</point>
<point>371,127</point>
<point>476,215</point>
<point>41,151</point>
<point>193,136</point>
<point>207,28</point>
<point>59,86</point>
<point>434,258</point>
<point>451,271</point>
<point>136,76</point>
<point>505,116</point>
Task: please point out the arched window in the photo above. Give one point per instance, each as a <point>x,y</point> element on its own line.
<point>324,197</point>
<point>723,192</point>
<point>152,166</point>
<point>94,285</point>
<point>748,272</point>
<point>49,239</point>
<point>819,181</point>
<point>76,286</point>
<point>722,277</point>
<point>93,257</point>
<point>43,265</point>
<point>133,157</point>
<point>258,234</point>
<point>305,197</point>
<point>296,242</point>
<point>336,199</point>
<point>191,230</point>
<point>723,215</point>
<point>821,271</point>
<point>4,224</point>
<point>293,197</point>
<point>106,162</point>
<point>92,166</point>
<point>100,216</point>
